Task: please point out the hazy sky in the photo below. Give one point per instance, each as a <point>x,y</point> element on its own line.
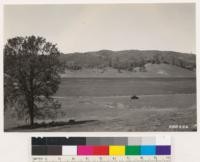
<point>78,28</point>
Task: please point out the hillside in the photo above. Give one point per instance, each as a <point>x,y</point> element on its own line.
<point>129,63</point>
<point>152,70</point>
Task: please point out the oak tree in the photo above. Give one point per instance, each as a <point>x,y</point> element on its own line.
<point>31,76</point>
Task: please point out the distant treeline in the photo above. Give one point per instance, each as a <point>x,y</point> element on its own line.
<point>128,60</point>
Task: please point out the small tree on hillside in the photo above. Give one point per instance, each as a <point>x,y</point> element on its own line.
<point>31,76</point>
<point>117,64</point>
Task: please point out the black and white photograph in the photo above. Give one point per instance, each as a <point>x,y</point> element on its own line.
<point>99,67</point>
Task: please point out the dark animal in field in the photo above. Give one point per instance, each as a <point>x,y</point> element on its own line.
<point>71,121</point>
<point>134,97</point>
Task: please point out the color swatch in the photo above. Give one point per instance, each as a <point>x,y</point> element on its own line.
<point>116,150</point>
<point>104,146</point>
<point>132,150</point>
<point>148,150</point>
<point>69,150</point>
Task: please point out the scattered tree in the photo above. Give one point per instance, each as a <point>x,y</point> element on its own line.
<point>31,73</point>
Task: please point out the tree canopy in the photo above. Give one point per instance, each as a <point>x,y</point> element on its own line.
<point>31,76</point>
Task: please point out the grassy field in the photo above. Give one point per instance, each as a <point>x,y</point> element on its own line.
<point>107,105</point>
<point>149,113</point>
<point>125,86</point>
<point>152,71</point>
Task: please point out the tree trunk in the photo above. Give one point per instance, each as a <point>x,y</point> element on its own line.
<point>31,114</point>
<point>31,108</point>
<point>31,117</point>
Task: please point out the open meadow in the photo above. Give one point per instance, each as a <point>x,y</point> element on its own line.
<point>105,104</point>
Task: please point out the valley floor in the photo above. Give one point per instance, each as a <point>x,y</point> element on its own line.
<point>120,113</point>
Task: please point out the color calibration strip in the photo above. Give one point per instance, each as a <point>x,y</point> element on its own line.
<point>101,146</point>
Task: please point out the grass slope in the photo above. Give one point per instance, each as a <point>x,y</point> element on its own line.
<point>148,113</point>
<point>108,58</point>
<point>152,71</point>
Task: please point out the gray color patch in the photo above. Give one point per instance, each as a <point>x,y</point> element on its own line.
<point>107,141</point>
<point>120,140</point>
<point>148,141</point>
<point>134,141</point>
<point>93,141</point>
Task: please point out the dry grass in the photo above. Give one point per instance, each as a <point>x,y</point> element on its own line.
<point>120,113</point>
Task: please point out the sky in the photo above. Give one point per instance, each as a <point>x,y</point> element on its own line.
<point>82,28</point>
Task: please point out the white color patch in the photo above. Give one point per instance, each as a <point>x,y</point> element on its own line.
<point>163,140</point>
<point>69,150</point>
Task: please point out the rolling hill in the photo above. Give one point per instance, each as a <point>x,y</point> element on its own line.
<point>129,63</point>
